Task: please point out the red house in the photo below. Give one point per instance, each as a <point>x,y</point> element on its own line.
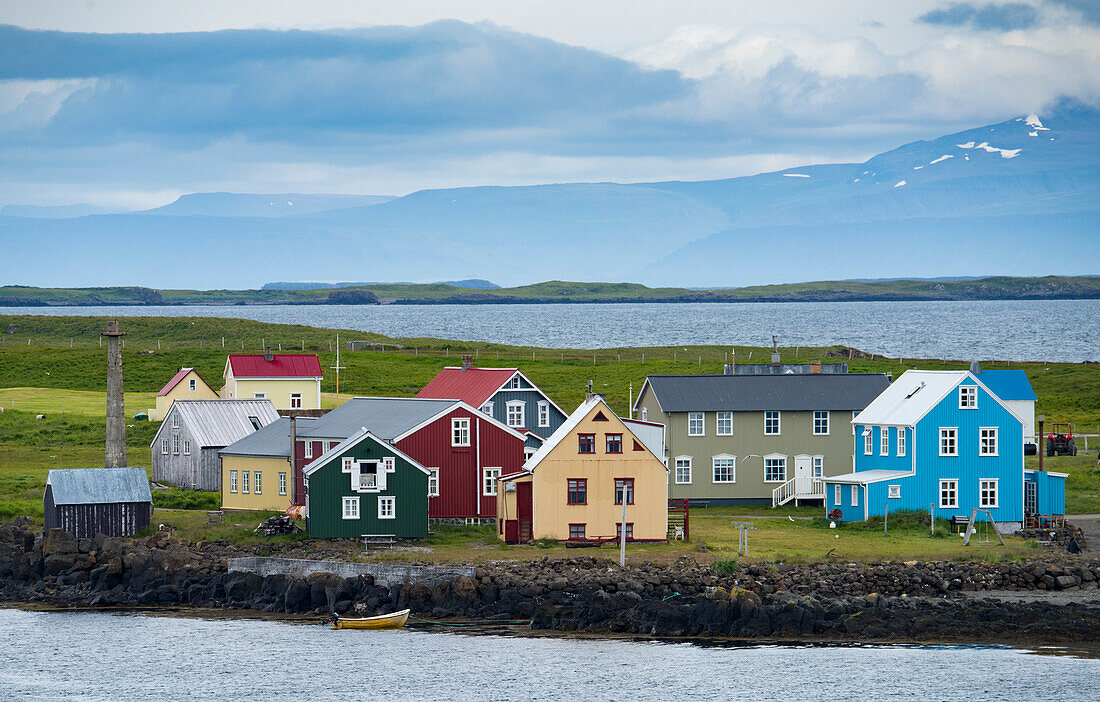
<point>464,450</point>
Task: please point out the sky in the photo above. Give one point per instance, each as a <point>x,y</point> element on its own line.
<point>128,105</point>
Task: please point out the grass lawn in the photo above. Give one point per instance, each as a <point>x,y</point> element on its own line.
<point>1083,483</point>
<point>61,400</point>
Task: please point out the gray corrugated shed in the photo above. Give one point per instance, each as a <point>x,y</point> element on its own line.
<point>272,441</point>
<point>385,417</point>
<point>746,393</point>
<point>86,486</point>
<point>217,423</point>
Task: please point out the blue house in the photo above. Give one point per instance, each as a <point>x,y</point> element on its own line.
<point>941,441</point>
<point>1014,389</point>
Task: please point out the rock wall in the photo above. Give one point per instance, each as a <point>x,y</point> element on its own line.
<point>382,573</point>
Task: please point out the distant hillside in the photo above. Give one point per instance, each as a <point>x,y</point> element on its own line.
<point>994,288</point>
<point>471,283</point>
<point>250,205</point>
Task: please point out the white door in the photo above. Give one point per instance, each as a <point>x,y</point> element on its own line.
<point>803,475</point>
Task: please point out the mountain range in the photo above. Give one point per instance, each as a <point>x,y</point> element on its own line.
<point>1021,197</point>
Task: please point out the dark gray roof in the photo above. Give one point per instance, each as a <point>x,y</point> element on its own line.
<point>86,486</point>
<point>271,441</point>
<point>385,417</point>
<point>746,393</point>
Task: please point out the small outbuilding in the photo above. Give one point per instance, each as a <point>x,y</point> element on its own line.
<point>87,501</point>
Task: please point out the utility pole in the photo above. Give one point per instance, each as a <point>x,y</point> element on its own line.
<point>337,368</point>
<point>115,454</point>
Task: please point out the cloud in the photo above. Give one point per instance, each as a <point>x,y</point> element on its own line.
<point>988,17</point>
<point>1089,9</point>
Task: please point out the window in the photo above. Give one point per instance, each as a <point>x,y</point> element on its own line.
<point>771,423</point>
<point>329,444</point>
<point>629,530</point>
<point>244,481</point>
<point>576,531</point>
<point>164,446</point>
<point>836,494</point>
<point>191,385</point>
<point>868,442</point>
<point>577,491</point>
<point>893,492</point>
<point>295,400</point>
<point>724,424</point>
<point>683,470</point>
<point>489,481</point>
<point>855,496</point>
<point>614,443</point>
<point>176,444</point>
<point>368,476</point>
<point>460,432</point>
<point>514,382</point>
<point>347,464</point>
<point>884,441</point>
<point>544,414</point>
<point>624,485</point>
<point>695,424</point>
<point>968,397</point>
<point>987,493</point>
<point>949,494</point>
<point>255,423</point>
<point>351,508</point>
<point>309,449</point>
<point>725,469</point>
<point>821,423</point>
<point>645,414</point>
<point>487,409</point>
<point>282,483</point>
<point>775,469</point>
<point>949,442</point>
<point>901,441</point>
<point>176,421</point>
<point>387,507</point>
<point>187,447</point>
<point>515,413</point>
<point>988,441</point>
<point>638,445</point>
<point>232,481</point>
<point>257,483</point>
<point>819,467</point>
<point>586,443</point>
<point>433,482</point>
<point>259,396</point>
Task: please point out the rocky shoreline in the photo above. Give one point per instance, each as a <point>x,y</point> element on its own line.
<point>914,601</point>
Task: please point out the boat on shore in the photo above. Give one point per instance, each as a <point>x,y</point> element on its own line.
<point>395,620</point>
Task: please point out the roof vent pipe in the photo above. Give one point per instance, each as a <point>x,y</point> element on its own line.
<point>467,361</point>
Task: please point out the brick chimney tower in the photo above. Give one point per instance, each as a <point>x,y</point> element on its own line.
<point>115,456</point>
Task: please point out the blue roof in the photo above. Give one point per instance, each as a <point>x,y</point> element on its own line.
<point>1008,384</point>
<point>81,486</point>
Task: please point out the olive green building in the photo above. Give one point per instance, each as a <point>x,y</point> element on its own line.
<point>749,439</point>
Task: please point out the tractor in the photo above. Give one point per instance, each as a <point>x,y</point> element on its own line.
<point>1060,441</point>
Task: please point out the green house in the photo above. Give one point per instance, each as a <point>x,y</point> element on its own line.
<point>366,487</point>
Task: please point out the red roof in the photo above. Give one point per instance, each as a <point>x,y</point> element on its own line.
<point>174,381</point>
<point>474,386</point>
<point>284,365</point>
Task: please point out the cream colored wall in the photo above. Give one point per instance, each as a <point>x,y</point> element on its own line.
<point>269,468</point>
<point>182,392</point>
<point>552,515</point>
<point>277,390</point>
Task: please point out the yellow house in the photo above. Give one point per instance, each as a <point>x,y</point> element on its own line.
<point>184,385</point>
<point>290,381</point>
<point>256,470</point>
<point>574,486</point>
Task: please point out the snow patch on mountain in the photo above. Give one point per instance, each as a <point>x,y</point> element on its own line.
<point>984,146</point>
<point>899,183</point>
<point>941,158</point>
<point>795,175</point>
<point>1033,122</point>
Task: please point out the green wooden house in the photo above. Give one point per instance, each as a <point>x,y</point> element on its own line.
<point>364,486</point>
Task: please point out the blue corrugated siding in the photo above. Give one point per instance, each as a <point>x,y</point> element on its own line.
<point>891,461</point>
<point>530,410</point>
<point>1050,492</point>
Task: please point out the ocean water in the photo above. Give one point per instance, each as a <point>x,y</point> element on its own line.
<point>1016,330</point>
<point>99,656</point>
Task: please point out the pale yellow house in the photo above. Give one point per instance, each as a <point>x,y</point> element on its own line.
<point>290,381</point>
<point>574,486</point>
<point>256,472</point>
<point>184,385</point>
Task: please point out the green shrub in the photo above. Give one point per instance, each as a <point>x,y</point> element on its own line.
<point>176,498</point>
<point>727,566</point>
<point>546,543</point>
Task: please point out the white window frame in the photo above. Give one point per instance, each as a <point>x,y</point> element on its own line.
<point>988,484</point>
<point>295,400</point>
<point>387,507</point>
<point>514,383</point>
<point>433,482</point>
<point>854,497</point>
<point>817,467</point>
<point>823,417</point>
<point>951,487</point>
<point>950,437</point>
<point>164,446</point>
<point>968,397</point>
<point>308,449</point>
<point>460,431</point>
<point>489,477</point>
<point>233,481</point>
<point>732,468</point>
<point>514,405</point>
<point>175,444</point>
<point>192,385</point>
<point>257,483</point>
<point>187,447</point>
<point>837,496</point>
<point>699,417</point>
<point>328,445</point>
<point>259,396</point>
<point>244,482</point>
<point>350,508</point>
<point>676,468</point>
<point>893,492</point>
<point>782,462</point>
<point>544,414</point>
<point>282,482</point>
<point>778,422</point>
<point>901,441</point>
<point>987,441</point>
<point>176,420</point>
<point>487,409</point>
<point>721,418</point>
<point>868,441</point>
<point>347,464</point>
<point>645,414</point>
<point>884,441</point>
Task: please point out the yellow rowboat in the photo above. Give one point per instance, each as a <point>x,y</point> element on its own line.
<point>395,620</point>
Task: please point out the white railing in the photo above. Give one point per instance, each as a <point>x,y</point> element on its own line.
<point>783,494</point>
<point>804,489</point>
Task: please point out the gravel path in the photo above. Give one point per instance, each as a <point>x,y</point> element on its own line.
<point>1090,524</point>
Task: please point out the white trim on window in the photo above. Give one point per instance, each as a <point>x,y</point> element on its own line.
<point>164,446</point>
<point>775,464</point>
<point>460,431</point>
<point>187,447</point>
<point>257,483</point>
<point>387,507</point>
<point>968,397</point>
<point>544,413</point>
<point>645,414</point>
<point>697,424</point>
<point>893,492</point>
<point>682,466</point>
<point>308,449</point>
<point>773,423</point>
<point>282,482</point>
<point>949,441</point>
<point>987,441</point>
<point>884,441</point>
<point>176,420</point>
<point>987,492</point>
<point>191,385</point>
<point>516,410</point>
<point>295,400</point>
<point>244,482</point>
<point>232,481</point>
<point>817,467</point>
<point>347,464</point>
<point>487,409</point>
<point>949,494</point>
<point>433,482</point>
<point>350,508</point>
<point>837,497</point>
<point>259,396</point>
<point>725,463</point>
<point>901,441</point>
<point>175,444</point>
<point>489,481</point>
<point>868,442</point>
<point>821,423</point>
<point>723,423</point>
<point>855,496</point>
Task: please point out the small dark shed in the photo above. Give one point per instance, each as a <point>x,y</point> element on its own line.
<point>87,501</point>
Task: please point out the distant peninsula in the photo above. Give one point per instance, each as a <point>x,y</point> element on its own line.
<point>992,288</point>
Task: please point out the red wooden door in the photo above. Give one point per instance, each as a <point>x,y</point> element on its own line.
<point>524,511</point>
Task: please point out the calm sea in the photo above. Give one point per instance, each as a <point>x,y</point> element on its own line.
<point>1018,330</point>
<point>95,656</point>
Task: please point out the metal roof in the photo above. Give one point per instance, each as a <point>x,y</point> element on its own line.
<point>273,441</point>
<point>474,386</point>
<point>651,439</point>
<point>283,365</point>
<point>910,397</point>
<point>174,381</point>
<point>218,423</point>
<point>86,486</point>
<point>744,393</point>
<point>385,417</point>
<point>868,476</point>
<point>1008,384</point>
<point>354,439</point>
<point>651,434</point>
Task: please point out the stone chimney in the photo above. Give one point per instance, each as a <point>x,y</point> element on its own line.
<point>815,367</point>
<point>775,350</point>
<point>268,355</point>
<point>467,361</point>
<point>115,455</point>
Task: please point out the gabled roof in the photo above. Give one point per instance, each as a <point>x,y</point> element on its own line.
<point>914,394</point>
<point>354,439</point>
<point>651,434</point>
<point>385,417</point>
<point>283,365</point>
<point>176,381</point>
<point>475,386</point>
<point>747,393</point>
<point>218,423</point>
<point>1008,384</point>
<point>85,486</point>
<point>272,441</point>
